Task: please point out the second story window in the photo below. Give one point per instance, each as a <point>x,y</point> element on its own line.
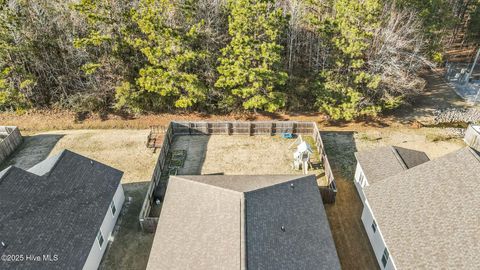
<point>100,238</point>
<point>385,257</point>
<point>114,209</point>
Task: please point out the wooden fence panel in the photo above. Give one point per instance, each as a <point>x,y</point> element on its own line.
<point>180,128</point>
<point>148,223</point>
<point>240,128</point>
<point>261,128</point>
<point>328,195</point>
<point>13,138</point>
<point>284,127</point>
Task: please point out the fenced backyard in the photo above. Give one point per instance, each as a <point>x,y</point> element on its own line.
<point>261,139</point>
<point>10,139</point>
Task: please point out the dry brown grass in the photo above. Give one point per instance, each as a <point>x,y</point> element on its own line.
<point>121,149</point>
<point>35,121</point>
<point>240,155</point>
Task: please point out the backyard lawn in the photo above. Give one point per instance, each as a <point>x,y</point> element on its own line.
<point>125,149</point>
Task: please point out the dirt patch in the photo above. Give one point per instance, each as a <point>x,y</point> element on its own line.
<point>438,95</point>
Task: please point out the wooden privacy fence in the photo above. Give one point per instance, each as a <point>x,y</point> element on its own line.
<point>472,137</point>
<point>11,139</point>
<point>242,128</point>
<point>149,223</point>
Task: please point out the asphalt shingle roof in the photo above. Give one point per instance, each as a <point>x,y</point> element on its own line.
<point>383,162</point>
<point>243,222</point>
<point>56,211</point>
<point>429,215</point>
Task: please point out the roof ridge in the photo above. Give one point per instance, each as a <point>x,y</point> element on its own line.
<point>6,171</point>
<point>399,157</point>
<point>60,156</point>
<point>205,184</point>
<point>431,161</point>
<point>474,153</point>
<point>300,177</point>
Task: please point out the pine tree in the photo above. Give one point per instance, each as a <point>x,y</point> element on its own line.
<point>250,64</point>
<point>167,47</point>
<point>345,89</point>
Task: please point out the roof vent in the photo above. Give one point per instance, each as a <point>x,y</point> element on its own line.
<point>91,162</point>
<point>283,228</point>
<point>292,186</point>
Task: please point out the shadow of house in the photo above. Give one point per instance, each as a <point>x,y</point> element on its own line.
<point>196,152</point>
<point>131,246</point>
<point>345,215</point>
<point>33,150</point>
<point>196,147</point>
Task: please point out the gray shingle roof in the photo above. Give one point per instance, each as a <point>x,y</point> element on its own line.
<point>429,215</point>
<point>386,161</point>
<point>235,222</point>
<point>57,213</point>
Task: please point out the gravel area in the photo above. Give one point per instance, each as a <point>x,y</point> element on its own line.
<point>471,115</point>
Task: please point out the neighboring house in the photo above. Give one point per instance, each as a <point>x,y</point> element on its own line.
<point>59,214</point>
<point>427,217</point>
<point>243,222</point>
<point>379,163</point>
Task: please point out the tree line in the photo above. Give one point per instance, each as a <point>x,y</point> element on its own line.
<point>346,58</point>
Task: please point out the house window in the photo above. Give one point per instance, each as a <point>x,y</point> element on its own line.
<point>385,257</point>
<point>114,209</point>
<point>361,179</point>
<point>100,238</point>
<point>374,226</point>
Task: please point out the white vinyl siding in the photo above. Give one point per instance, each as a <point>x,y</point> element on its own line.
<point>376,239</point>
<point>360,182</point>
<point>106,230</point>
